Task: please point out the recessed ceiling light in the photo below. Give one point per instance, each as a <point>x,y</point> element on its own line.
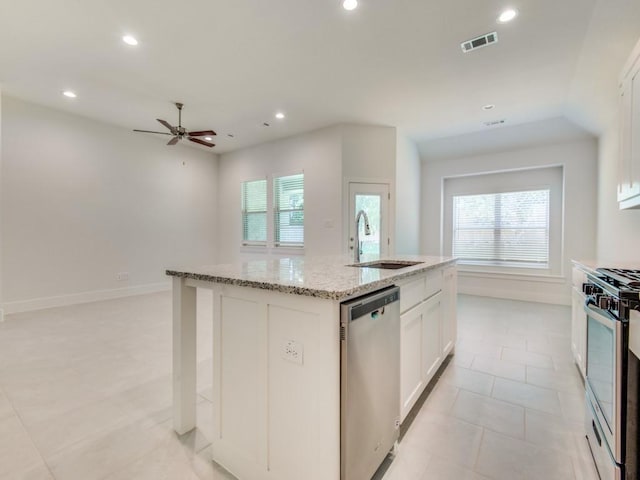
<point>129,40</point>
<point>69,93</point>
<point>489,107</point>
<point>350,4</point>
<point>507,15</point>
<point>279,115</point>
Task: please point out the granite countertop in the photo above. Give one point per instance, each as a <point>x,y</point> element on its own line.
<point>328,277</point>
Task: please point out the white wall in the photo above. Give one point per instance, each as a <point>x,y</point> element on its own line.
<point>83,200</point>
<point>368,155</point>
<point>579,161</point>
<point>1,241</point>
<point>408,208</point>
<point>368,151</point>
<point>618,230</point>
<point>319,155</point>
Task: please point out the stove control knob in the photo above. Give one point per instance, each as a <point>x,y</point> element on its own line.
<point>591,289</point>
<point>614,304</point>
<point>604,302</point>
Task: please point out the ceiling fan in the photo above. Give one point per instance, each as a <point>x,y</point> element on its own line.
<point>180,132</point>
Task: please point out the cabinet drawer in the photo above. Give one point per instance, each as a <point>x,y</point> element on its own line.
<point>434,283</point>
<point>412,293</point>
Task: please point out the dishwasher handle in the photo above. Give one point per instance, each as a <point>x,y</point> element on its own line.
<point>370,304</point>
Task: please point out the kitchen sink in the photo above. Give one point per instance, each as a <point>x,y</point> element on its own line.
<point>387,264</point>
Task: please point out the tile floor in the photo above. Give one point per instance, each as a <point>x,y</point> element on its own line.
<point>85,393</point>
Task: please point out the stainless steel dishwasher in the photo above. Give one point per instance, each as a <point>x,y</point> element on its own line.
<point>370,382</point>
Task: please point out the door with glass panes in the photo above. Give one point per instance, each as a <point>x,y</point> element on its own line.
<point>373,198</point>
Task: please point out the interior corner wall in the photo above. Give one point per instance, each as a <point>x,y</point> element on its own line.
<point>318,154</point>
<point>83,201</point>
<point>1,236</point>
<point>618,230</point>
<point>579,160</point>
<point>408,169</point>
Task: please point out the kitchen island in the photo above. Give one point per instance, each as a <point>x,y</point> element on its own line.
<point>276,354</point>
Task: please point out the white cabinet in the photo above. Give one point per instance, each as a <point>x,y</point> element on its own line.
<point>449,301</point>
<point>411,379</point>
<point>578,322</point>
<point>629,118</point>
<point>431,335</point>
<point>428,331</point>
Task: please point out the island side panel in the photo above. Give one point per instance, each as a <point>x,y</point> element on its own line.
<point>277,361</point>
<point>184,356</point>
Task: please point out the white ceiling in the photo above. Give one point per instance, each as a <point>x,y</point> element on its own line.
<point>397,63</point>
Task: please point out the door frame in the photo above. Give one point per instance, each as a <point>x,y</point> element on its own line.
<point>346,215</point>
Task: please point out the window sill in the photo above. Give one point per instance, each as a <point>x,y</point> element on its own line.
<point>515,276</point>
<point>274,250</point>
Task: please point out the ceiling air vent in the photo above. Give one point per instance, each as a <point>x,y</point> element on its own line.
<point>494,123</point>
<point>479,42</point>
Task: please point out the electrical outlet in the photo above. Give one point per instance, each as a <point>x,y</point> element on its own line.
<point>293,351</point>
<point>122,276</point>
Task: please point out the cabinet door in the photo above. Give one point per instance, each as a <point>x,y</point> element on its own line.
<point>431,336</point>
<point>411,384</point>
<point>635,133</point>
<point>629,156</point>
<point>449,299</point>
<point>579,330</point>
<point>624,158</point>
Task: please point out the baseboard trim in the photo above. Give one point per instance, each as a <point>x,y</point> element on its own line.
<point>524,295</point>
<point>83,297</point>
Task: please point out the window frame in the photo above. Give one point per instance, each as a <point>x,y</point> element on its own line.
<point>537,177</point>
<point>271,245</point>
<point>497,230</point>
<point>243,212</point>
<point>277,243</point>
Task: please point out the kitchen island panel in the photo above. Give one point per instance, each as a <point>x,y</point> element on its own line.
<point>276,384</point>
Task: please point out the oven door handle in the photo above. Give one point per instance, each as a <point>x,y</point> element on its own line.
<point>598,314</point>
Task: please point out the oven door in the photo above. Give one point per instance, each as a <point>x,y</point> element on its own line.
<point>605,339</point>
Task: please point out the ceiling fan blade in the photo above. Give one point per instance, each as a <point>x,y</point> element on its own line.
<point>173,141</point>
<point>202,133</point>
<point>150,131</point>
<point>168,125</point>
<point>202,142</point>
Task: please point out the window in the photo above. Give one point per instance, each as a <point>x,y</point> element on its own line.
<point>288,209</point>
<point>275,220</point>
<point>509,228</point>
<point>254,212</point>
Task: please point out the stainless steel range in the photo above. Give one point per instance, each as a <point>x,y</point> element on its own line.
<point>613,295</point>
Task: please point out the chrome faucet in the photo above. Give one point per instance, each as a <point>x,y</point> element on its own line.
<point>367,231</point>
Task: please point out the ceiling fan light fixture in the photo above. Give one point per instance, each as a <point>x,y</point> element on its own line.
<point>69,94</point>
<point>208,139</point>
<point>350,4</point>
<point>507,15</point>
<point>130,40</point>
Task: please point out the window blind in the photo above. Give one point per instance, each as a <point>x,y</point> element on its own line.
<point>502,228</point>
<point>254,212</point>
<point>288,210</point>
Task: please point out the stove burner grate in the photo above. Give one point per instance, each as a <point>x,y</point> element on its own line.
<point>629,278</point>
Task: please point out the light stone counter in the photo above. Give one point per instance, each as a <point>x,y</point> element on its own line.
<point>328,277</point>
